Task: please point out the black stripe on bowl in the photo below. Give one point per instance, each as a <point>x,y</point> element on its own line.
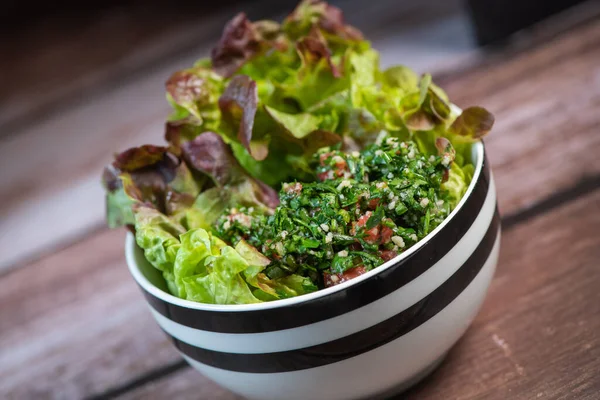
<point>359,342</point>
<point>343,301</point>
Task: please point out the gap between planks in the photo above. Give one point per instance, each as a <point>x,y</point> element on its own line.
<point>583,188</point>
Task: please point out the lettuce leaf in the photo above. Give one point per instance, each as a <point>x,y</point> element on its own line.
<point>158,236</point>
<point>211,272</point>
<point>196,246</point>
<point>241,41</point>
<point>456,185</point>
<point>328,18</point>
<point>472,124</point>
<point>238,106</point>
<point>208,154</point>
<point>149,175</point>
<point>266,288</point>
<point>209,205</point>
<point>193,94</point>
<point>286,90</point>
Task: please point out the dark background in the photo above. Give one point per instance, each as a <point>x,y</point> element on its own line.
<point>494,20</point>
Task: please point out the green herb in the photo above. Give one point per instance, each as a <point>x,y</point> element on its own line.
<point>375,218</point>
<point>340,223</point>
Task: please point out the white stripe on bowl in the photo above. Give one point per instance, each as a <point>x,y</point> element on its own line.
<point>354,321</point>
<point>397,361</point>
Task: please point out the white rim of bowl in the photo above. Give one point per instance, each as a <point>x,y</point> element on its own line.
<point>130,247</point>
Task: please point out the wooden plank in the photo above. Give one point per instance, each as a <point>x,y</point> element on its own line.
<point>187,384</point>
<point>57,184</point>
<point>539,97</point>
<point>75,323</point>
<point>537,333</point>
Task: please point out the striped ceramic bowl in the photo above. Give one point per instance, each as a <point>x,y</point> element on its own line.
<point>365,338</point>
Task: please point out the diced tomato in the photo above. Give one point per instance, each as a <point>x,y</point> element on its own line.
<point>362,221</point>
<point>295,188</point>
<point>446,175</point>
<point>336,279</point>
<point>387,255</point>
<point>323,176</point>
<point>386,234</point>
<point>355,246</point>
<point>340,167</point>
<point>373,203</point>
<point>323,157</point>
<point>354,272</point>
<point>372,235</point>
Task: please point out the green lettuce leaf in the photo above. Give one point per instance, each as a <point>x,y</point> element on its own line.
<point>281,288</point>
<point>298,125</point>
<point>118,208</point>
<point>158,236</point>
<point>472,124</point>
<point>456,185</point>
<point>209,205</point>
<point>401,77</point>
<point>220,279</point>
<point>196,246</point>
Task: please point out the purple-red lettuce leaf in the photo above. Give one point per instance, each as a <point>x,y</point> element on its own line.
<point>242,40</point>
<point>239,42</point>
<point>330,19</point>
<point>472,124</point>
<point>210,155</point>
<point>313,50</point>
<point>149,175</point>
<point>193,93</point>
<point>238,105</point>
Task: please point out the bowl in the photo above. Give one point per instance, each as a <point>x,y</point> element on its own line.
<point>368,337</point>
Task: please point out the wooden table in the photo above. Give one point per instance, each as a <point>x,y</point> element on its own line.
<point>74,325</point>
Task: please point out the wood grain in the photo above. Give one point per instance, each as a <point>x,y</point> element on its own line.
<point>536,336</point>
<point>75,323</point>
<point>540,97</point>
<point>537,333</point>
<point>187,384</point>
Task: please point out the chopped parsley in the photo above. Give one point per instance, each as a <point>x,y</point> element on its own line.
<point>364,208</point>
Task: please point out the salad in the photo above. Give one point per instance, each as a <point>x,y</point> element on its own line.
<point>292,162</point>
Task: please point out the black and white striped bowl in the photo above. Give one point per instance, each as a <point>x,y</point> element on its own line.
<point>375,334</point>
